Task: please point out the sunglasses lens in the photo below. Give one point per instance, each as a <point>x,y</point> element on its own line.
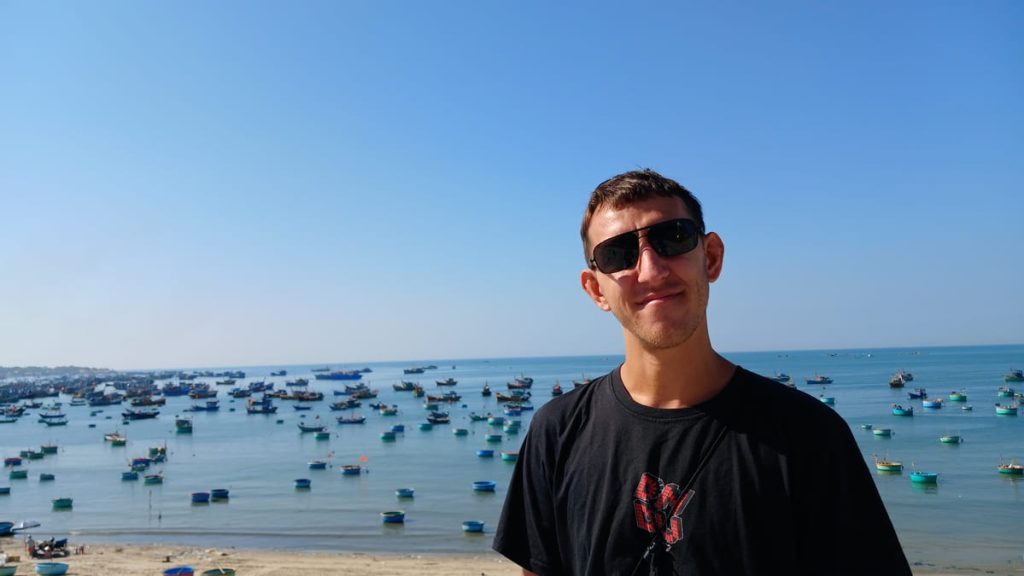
<point>668,239</point>
<point>617,254</point>
<point>673,238</point>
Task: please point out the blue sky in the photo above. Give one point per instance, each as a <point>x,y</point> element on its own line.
<point>237,183</point>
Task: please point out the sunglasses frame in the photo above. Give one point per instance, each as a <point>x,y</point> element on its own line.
<point>687,223</point>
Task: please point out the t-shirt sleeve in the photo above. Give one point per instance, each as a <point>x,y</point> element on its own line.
<point>527,530</point>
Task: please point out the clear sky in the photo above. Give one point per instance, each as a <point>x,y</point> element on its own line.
<point>242,182</point>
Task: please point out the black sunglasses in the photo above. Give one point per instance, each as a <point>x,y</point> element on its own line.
<point>669,238</point>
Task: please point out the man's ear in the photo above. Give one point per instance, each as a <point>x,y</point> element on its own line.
<point>714,253</point>
<point>588,280</point>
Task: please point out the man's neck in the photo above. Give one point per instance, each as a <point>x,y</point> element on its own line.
<point>678,377</point>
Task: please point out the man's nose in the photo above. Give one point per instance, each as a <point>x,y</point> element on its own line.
<point>649,264</point>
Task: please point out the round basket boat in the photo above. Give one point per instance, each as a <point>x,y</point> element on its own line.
<point>473,526</point>
<point>918,477</point>
<point>387,436</point>
<point>492,438</point>
<point>392,517</point>
<point>460,432</point>
<point>485,453</point>
<point>484,486</point>
<point>180,571</point>
<point>398,428</point>
<point>883,432</point>
<point>510,456</point>
<point>405,492</point>
<point>303,483</point>
<point>58,568</point>
<point>219,494</point>
<point>219,572</point>
<point>426,426</point>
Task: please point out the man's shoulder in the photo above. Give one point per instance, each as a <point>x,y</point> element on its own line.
<point>766,402</point>
<point>558,412</point>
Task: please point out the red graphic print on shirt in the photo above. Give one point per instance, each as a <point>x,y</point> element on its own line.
<point>659,507</point>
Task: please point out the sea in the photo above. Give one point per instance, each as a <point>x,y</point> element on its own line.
<point>973,517</point>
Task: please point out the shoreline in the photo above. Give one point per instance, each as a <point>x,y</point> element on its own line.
<point>106,559</point>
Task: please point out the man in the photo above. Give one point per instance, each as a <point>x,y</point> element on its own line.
<point>679,462</point>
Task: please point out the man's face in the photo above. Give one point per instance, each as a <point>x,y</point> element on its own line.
<point>661,302</point>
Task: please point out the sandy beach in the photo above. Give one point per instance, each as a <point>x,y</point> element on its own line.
<point>109,559</point>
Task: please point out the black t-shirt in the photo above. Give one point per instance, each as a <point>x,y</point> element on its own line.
<point>602,479</point>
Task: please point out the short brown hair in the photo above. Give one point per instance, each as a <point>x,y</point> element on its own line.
<point>635,186</point>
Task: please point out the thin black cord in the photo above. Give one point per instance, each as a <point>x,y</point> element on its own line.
<point>686,489</point>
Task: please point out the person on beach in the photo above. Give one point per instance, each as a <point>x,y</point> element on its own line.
<point>678,461</point>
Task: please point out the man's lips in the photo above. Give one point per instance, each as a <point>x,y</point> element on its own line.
<point>659,297</point>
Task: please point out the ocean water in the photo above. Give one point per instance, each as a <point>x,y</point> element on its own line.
<point>972,517</point>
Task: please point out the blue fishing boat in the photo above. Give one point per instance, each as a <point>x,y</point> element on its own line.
<point>920,477</point>
<point>460,432</point>
<point>220,494</point>
<point>898,410</point>
<point>140,413</point>
<point>951,439</point>
<point>404,492</point>
<point>317,464</point>
<point>354,419</point>
<point>485,453</point>
<point>819,379</point>
<point>200,497</point>
<point>51,568</point>
<point>62,503</point>
<point>473,526</point>
<point>1006,409</point>
<point>180,571</point>
<point>340,375</point>
<point>18,474</point>
<point>392,517</point>
<point>398,428</point>
<point>129,476</point>
<point>351,470</point>
<point>957,396</point>
<point>183,425</point>
<point>5,490</point>
<point>484,486</point>
<point>152,479</point>
<point>933,404</point>
<point>46,477</point>
<point>917,394</point>
<point>302,483</point>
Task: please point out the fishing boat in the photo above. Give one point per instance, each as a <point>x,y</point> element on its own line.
<point>51,568</point>
<point>898,410</point>
<point>1014,375</point>
<point>392,517</point>
<point>318,464</point>
<point>933,404</point>
<point>781,377</point>
<point>957,396</point>
<point>882,432</point>
<point>5,490</point>
<point>62,503</point>
<point>354,419</point>
<point>219,494</point>
<point>473,526</point>
<point>509,456</point>
<point>1006,409</point>
<point>485,453</point>
<point>129,476</point>
<point>460,432</point>
<point>316,426</point>
<point>264,405</point>
<point>446,382</point>
<point>18,475</point>
<point>200,497</point>
<point>556,390</point>
<point>819,379</point>
<point>404,386</point>
<point>219,571</point>
<point>46,477</point>
<point>412,370</point>
<point>474,417</point>
<point>921,477</point>
<point>1011,468</point>
<point>450,397</point>
<point>951,439</point>
<point>55,421</point>
<point>493,438</point>
<point>486,391</point>
<point>828,400</point>
<point>208,406</point>
<point>484,486</point>
<point>438,418</point>
<point>1005,392</point>
<point>140,413</point>
<point>405,492</point>
<point>183,425</point>
<point>115,438</point>
<point>388,436</point>
<point>388,410</point>
<point>340,375</point>
<point>48,448</point>
<point>180,571</point>
<point>11,461</point>
<point>324,435</point>
<point>884,465</point>
<point>917,394</point>
<point>351,470</point>
<point>302,483</point>
<point>426,426</point>
<point>152,479</point>
<point>496,420</point>
<point>896,381</point>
